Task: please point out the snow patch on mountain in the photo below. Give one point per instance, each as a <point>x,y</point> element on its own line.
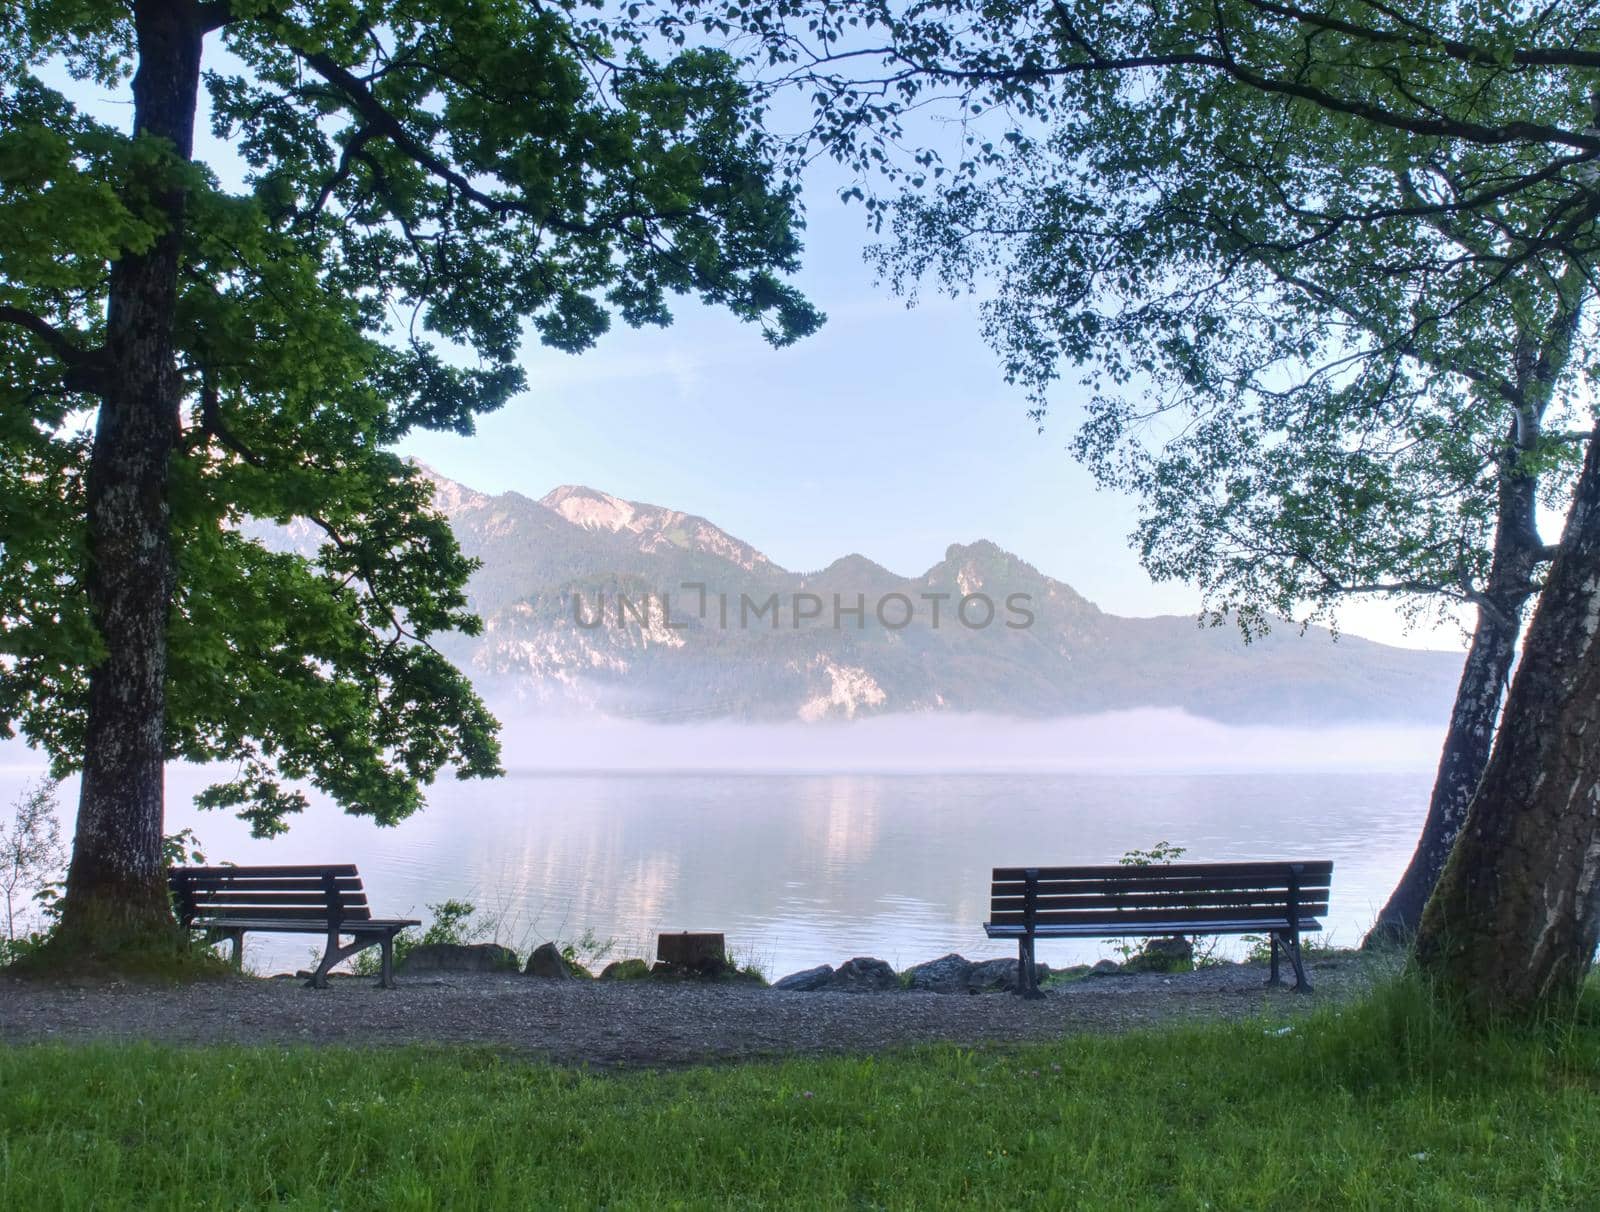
<point>658,528</point>
<point>449,497</point>
<point>590,509</point>
<point>850,688</point>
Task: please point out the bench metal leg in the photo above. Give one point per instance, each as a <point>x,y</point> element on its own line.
<point>1301,983</point>
<point>330,956</point>
<point>1027,971</point>
<point>386,971</point>
<point>336,952</point>
<point>1274,978</point>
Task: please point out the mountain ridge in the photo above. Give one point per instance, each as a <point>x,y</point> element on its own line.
<point>594,602</point>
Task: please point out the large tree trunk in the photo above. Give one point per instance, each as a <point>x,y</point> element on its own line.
<point>1461,765</point>
<point>1515,918</point>
<point>1540,357</point>
<point>115,886</point>
<point>1470,737</point>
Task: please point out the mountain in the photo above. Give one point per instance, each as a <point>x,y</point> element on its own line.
<point>595,602</point>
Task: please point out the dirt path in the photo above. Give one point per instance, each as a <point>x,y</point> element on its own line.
<point>640,1022</point>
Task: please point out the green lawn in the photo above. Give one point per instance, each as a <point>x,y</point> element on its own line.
<point>1380,1107</point>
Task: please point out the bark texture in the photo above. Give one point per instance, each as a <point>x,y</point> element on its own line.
<point>115,885</point>
<point>1467,743</point>
<point>1515,918</point>
<point>1539,359</point>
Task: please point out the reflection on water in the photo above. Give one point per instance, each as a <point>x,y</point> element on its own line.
<point>802,869</point>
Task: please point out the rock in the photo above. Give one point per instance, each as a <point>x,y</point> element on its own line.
<point>863,975</point>
<point>808,981</point>
<point>546,962</point>
<point>625,970</point>
<point>454,957</point>
<point>987,976</point>
<point>947,974</point>
<point>1163,955</point>
<point>1106,967</point>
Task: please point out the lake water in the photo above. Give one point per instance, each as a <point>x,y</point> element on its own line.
<point>802,869</point>
<point>799,869</point>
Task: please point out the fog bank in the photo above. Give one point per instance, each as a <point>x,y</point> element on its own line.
<point>1122,742</point>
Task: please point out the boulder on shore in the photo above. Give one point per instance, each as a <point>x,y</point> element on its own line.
<point>947,974</point>
<point>548,962</point>
<point>863,975</point>
<point>458,957</point>
<point>808,981</point>
<point>1174,954</point>
<point>1000,975</point>
<point>625,970</point>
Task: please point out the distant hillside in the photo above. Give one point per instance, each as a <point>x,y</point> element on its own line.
<point>549,564</point>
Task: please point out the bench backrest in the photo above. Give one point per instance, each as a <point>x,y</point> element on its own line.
<point>311,894</point>
<point>1196,892</point>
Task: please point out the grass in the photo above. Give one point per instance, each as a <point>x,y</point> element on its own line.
<point>1384,1106</point>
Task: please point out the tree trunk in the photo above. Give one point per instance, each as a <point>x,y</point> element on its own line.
<point>1515,918</point>
<point>115,885</point>
<point>1483,681</point>
<point>1540,357</point>
<point>1461,765</point>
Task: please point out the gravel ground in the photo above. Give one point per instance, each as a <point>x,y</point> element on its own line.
<point>641,1022</point>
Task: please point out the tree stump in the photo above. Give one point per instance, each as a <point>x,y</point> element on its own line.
<point>701,953</point>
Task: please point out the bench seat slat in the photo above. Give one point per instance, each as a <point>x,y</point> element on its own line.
<point>269,913</point>
<point>346,883</point>
<point>1277,869</point>
<point>1144,883</point>
<point>302,870</point>
<point>1157,900</point>
<point>1114,919</point>
<point>276,925</point>
<point>250,897</point>
<point>1152,929</point>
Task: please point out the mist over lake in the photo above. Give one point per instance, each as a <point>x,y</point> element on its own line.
<point>810,845</point>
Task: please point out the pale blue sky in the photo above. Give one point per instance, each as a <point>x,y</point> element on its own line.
<point>890,433</point>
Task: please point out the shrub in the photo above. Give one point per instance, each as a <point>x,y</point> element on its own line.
<point>454,922</point>
<point>32,860</point>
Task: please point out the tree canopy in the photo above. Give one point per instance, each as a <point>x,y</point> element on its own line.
<point>425,185</point>
<point>1328,275</point>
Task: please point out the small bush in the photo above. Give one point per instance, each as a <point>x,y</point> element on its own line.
<point>587,951</point>
<point>32,860</point>
<point>454,922</point>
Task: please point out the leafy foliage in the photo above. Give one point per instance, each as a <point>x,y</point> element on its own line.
<point>421,183</point>
<point>1161,853</point>
<point>454,922</point>
<point>32,858</point>
<point>1326,271</point>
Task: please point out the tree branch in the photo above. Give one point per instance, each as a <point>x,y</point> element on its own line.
<point>85,367</point>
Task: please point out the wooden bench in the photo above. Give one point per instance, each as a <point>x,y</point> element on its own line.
<point>1278,899</point>
<point>230,902</point>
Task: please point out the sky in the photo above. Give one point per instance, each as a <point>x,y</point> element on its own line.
<point>891,433</point>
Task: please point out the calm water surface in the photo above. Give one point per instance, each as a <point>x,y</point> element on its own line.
<point>802,869</point>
